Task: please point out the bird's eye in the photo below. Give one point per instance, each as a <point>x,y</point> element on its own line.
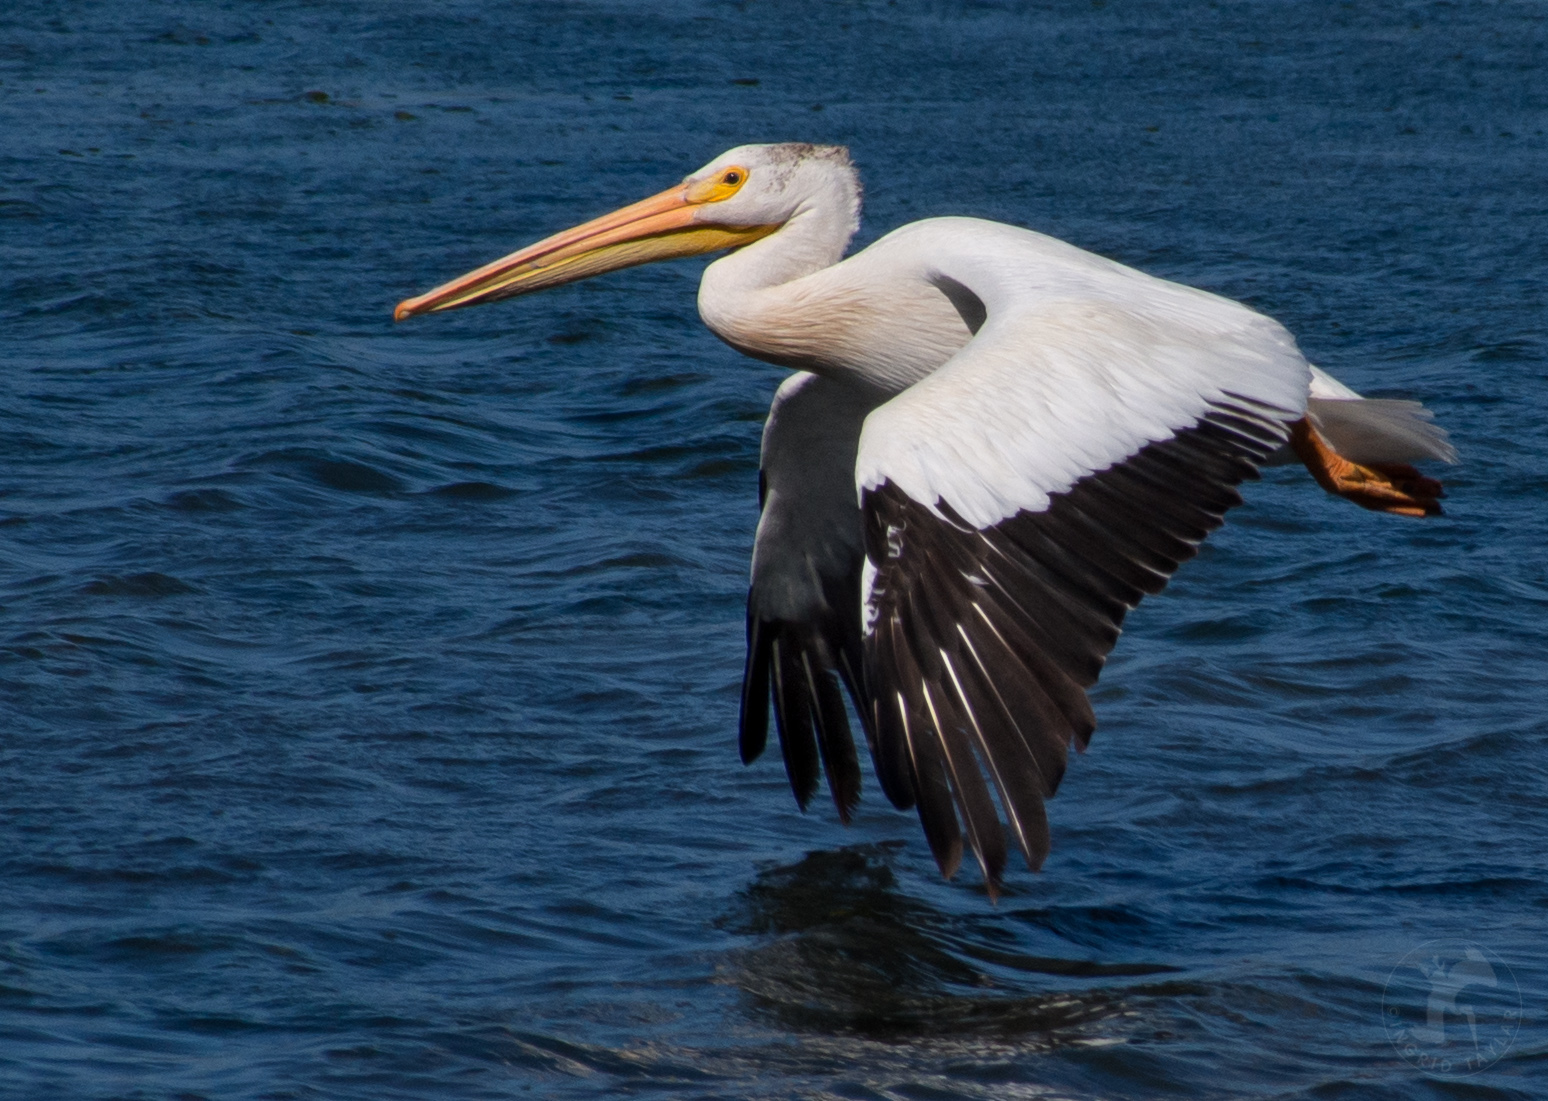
<point>713,189</point>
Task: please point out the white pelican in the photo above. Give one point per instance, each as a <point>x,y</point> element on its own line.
<point>994,445</point>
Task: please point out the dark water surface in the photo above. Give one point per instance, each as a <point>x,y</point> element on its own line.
<point>369,692</point>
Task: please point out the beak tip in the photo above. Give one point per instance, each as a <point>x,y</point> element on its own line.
<point>403,310</point>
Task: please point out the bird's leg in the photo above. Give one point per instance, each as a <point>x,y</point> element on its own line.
<point>1383,487</point>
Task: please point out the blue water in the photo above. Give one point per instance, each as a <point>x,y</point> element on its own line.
<point>368,693</point>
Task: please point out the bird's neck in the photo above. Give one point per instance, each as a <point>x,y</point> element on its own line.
<point>754,298</point>
<point>875,319</point>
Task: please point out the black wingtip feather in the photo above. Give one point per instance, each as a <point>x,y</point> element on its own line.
<point>793,716</point>
<point>936,806</point>
<point>834,741</point>
<point>984,834</point>
<point>753,724</point>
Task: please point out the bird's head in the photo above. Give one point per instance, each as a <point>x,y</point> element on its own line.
<point>741,196</point>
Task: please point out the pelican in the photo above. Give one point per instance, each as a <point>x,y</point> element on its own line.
<point>993,445</point>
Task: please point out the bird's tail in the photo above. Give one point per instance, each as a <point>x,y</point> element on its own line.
<point>1379,430</point>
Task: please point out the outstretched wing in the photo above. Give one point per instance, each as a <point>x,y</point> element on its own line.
<point>1021,499</point>
<point>803,603</point>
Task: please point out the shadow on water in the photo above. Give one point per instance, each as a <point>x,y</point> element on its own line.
<point>844,949</point>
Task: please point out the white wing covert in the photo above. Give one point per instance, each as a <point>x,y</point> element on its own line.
<point>1022,498</point>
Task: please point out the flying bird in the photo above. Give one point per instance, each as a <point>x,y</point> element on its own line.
<point>993,446</point>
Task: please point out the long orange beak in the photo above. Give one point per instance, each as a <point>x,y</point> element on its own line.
<point>662,227</point>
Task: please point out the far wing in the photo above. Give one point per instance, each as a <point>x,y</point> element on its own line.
<point>803,610</point>
<point>1019,501</point>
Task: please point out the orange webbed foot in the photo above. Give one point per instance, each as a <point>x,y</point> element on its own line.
<point>1382,487</point>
